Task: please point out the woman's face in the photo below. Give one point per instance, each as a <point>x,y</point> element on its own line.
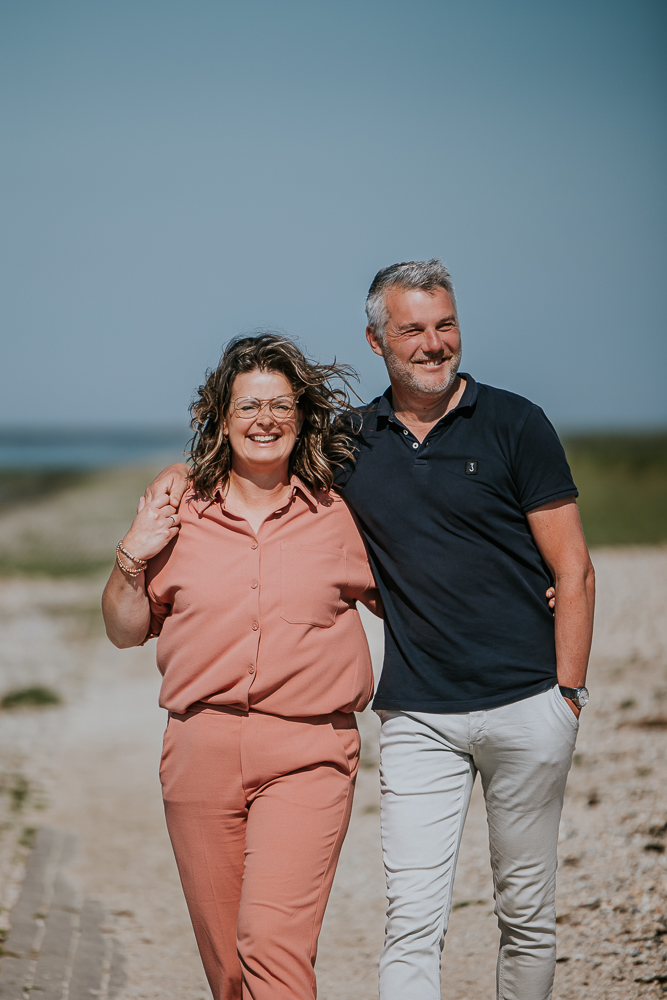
<point>261,442</point>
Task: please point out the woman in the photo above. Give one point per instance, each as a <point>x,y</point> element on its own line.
<point>252,591</point>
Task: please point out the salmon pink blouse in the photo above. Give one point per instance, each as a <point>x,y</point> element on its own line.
<point>268,620</point>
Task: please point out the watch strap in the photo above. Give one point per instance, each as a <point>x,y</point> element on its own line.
<point>570,693</point>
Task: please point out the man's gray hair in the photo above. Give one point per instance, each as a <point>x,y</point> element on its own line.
<point>424,274</point>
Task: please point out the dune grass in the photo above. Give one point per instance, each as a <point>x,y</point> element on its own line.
<point>51,563</point>
<point>622,483</point>
<point>36,696</point>
<point>64,523</point>
<point>25,485</point>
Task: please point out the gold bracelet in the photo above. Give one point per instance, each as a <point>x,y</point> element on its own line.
<point>127,569</point>
<point>140,562</point>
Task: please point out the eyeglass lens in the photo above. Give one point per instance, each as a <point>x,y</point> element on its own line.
<point>281,407</point>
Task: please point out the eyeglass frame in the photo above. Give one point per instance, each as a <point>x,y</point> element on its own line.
<point>263,404</point>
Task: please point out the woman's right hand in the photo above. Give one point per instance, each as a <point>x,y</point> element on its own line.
<point>156,523</point>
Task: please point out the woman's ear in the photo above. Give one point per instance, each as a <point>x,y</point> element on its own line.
<point>299,422</point>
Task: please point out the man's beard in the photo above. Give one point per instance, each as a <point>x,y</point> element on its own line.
<point>407,375</point>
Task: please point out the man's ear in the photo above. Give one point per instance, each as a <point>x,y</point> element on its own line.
<point>374,341</point>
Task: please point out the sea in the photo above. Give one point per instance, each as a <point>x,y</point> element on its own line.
<point>89,447</point>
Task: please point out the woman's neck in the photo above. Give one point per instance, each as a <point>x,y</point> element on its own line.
<point>254,495</point>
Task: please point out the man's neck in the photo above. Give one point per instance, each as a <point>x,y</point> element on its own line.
<point>421,411</point>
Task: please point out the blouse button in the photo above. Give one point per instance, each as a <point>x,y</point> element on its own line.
<point>255,626</point>
<point>251,669</point>
<point>254,584</point>
<point>254,545</point>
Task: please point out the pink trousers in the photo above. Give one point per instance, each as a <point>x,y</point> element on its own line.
<point>257,808</point>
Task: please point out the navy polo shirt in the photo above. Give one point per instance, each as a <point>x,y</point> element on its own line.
<point>467,624</point>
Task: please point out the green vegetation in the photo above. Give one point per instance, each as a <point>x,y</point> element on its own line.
<point>622,482</point>
<point>52,563</point>
<point>17,788</point>
<point>66,524</point>
<point>27,838</point>
<point>19,792</point>
<point>36,696</point>
<point>18,486</point>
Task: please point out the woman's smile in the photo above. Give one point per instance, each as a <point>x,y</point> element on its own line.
<point>264,438</point>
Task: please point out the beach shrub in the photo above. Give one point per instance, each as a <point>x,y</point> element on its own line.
<point>35,696</point>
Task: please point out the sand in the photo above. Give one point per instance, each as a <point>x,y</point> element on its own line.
<point>89,767</point>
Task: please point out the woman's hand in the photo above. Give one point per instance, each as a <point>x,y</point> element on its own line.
<point>125,604</point>
<point>551,597</point>
<point>156,523</point>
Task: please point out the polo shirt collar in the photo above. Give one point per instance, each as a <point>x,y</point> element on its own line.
<point>468,399</point>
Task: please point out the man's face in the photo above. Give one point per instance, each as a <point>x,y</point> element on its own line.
<point>422,341</point>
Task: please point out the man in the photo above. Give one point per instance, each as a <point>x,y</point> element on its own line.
<point>468,509</point>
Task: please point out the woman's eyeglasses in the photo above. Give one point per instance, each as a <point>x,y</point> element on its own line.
<point>280,407</point>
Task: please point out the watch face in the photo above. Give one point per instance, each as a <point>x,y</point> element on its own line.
<point>582,697</point>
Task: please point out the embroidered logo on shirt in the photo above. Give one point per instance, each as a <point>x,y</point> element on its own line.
<point>471,468</point>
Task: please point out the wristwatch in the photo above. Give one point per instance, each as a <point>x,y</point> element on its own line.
<point>578,695</point>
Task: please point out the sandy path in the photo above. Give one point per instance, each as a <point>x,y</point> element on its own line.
<point>91,766</point>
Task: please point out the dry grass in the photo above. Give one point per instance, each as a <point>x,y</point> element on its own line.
<point>71,531</point>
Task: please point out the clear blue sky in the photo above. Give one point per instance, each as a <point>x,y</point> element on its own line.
<point>174,173</point>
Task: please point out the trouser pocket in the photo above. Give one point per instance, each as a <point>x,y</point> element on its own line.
<point>563,708</point>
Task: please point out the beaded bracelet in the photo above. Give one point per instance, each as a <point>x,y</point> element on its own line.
<point>135,559</point>
<point>128,570</point>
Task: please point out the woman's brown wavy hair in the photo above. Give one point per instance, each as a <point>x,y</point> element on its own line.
<point>324,441</point>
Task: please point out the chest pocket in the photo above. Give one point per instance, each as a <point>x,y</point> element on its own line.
<point>311,582</point>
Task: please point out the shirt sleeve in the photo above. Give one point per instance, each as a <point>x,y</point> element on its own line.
<point>541,470</point>
<point>160,610</point>
<point>159,614</point>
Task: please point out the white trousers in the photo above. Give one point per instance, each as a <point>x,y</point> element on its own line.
<point>428,764</point>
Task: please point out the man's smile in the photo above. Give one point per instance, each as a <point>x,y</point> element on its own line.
<point>430,362</point>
